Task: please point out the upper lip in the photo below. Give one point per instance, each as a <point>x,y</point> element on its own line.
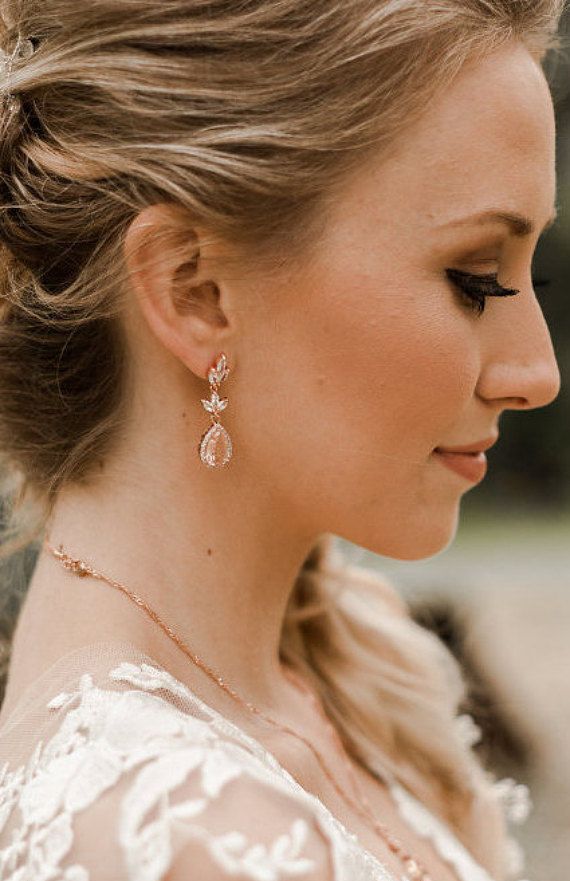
<point>478,447</point>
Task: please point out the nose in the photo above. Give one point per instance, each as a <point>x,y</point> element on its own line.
<point>520,370</point>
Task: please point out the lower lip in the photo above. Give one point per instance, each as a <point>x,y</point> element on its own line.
<point>472,466</point>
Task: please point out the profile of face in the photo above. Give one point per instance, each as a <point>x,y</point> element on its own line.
<point>349,370</point>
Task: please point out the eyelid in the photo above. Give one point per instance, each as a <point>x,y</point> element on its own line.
<point>489,279</point>
<point>478,287</point>
<point>477,245</point>
<point>486,244</point>
<point>482,267</point>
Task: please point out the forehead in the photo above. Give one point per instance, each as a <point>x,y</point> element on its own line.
<point>488,141</point>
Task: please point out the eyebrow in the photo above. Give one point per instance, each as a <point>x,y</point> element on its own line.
<point>519,225</point>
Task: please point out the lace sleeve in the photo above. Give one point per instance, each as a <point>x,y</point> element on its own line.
<point>122,774</point>
<point>249,833</point>
<point>194,811</point>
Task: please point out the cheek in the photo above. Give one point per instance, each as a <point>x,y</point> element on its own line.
<point>393,371</point>
<point>350,390</point>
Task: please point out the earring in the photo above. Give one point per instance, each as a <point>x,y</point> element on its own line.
<point>215,447</point>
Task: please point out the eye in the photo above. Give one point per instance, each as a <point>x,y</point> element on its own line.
<point>478,287</point>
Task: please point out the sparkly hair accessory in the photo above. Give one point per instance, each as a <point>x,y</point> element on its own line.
<point>23,49</point>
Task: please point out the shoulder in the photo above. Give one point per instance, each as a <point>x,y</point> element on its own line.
<point>130,759</point>
<point>253,833</point>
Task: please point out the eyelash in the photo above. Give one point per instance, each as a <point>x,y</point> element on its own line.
<point>478,287</point>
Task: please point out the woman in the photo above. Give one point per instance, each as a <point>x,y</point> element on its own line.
<point>265,263</point>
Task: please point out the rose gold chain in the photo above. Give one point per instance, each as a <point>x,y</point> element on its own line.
<point>413,867</point>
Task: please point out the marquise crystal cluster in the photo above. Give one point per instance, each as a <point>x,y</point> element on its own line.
<point>216,444</point>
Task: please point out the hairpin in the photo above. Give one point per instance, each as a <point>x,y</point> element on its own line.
<point>23,49</point>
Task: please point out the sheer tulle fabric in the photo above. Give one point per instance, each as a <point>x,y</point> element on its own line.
<point>112,769</point>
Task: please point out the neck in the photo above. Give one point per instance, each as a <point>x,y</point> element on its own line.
<point>213,556</point>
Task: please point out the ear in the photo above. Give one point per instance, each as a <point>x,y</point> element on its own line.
<point>172,267</point>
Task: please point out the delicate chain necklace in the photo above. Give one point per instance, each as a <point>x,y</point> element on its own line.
<point>413,867</point>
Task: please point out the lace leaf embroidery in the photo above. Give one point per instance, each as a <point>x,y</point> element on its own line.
<point>469,732</point>
<point>262,863</point>
<point>515,798</point>
<point>102,735</point>
<point>105,733</point>
<point>148,678</point>
<point>429,826</point>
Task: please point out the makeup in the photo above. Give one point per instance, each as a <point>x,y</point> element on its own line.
<point>472,466</point>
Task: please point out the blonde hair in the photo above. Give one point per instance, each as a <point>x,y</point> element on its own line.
<point>245,116</point>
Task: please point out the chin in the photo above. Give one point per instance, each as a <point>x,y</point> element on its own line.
<point>418,541</point>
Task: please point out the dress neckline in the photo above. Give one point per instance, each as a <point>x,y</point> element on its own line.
<point>405,801</point>
<point>262,750</point>
<point>27,699</point>
<point>34,691</point>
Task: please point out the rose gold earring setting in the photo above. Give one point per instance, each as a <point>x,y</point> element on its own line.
<point>215,447</point>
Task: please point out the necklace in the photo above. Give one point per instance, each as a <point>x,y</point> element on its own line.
<point>413,867</point>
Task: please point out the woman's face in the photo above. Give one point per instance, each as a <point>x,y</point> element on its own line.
<point>363,362</point>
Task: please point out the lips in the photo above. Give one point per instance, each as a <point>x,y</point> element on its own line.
<point>477,447</point>
<point>472,466</point>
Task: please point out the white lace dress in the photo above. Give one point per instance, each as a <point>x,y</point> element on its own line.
<point>108,740</point>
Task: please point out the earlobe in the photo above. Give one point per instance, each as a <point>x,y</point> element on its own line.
<point>178,303</point>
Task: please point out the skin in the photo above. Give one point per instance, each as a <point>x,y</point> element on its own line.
<point>347,372</point>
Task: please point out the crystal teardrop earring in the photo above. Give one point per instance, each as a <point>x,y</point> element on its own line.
<point>215,447</point>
